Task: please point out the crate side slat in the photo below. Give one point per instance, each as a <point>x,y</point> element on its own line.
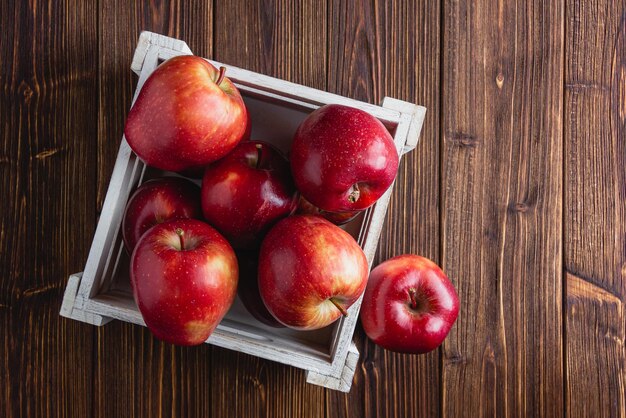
<point>302,93</point>
<point>344,332</point>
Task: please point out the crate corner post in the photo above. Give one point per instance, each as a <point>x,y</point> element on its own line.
<point>68,310</point>
<point>341,382</point>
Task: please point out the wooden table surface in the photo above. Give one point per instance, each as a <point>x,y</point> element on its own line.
<point>517,188</point>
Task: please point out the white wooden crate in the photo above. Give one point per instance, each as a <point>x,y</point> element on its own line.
<point>102,292</point>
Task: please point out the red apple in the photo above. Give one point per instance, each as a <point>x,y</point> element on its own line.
<point>247,192</point>
<point>409,305</point>
<point>310,272</point>
<point>343,159</point>
<point>184,278</point>
<point>186,115</point>
<point>197,172</point>
<point>157,201</point>
<point>248,289</point>
<point>338,218</point>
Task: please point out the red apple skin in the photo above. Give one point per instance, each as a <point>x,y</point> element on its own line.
<point>157,201</point>
<point>304,262</point>
<point>389,317</point>
<point>183,294</point>
<point>243,196</point>
<point>197,172</point>
<point>343,159</point>
<point>182,119</point>
<point>338,218</point>
<point>248,289</point>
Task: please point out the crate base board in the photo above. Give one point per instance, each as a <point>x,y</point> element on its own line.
<point>341,382</point>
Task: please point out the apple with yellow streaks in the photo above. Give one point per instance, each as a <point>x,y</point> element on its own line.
<point>310,272</point>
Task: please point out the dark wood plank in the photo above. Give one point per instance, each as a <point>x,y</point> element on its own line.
<point>502,192</point>
<point>137,375</point>
<point>280,38</point>
<point>595,207</point>
<point>48,70</point>
<point>392,49</point>
<point>283,39</point>
<point>144,377</point>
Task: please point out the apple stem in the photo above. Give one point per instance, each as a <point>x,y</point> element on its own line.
<point>354,194</point>
<point>412,295</point>
<point>221,76</point>
<point>181,234</point>
<point>338,306</point>
<point>258,155</point>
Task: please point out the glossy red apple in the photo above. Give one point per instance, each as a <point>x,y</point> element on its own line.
<point>343,159</point>
<point>247,192</point>
<point>157,201</point>
<point>186,115</point>
<point>248,288</point>
<point>310,272</point>
<point>338,218</point>
<point>409,305</point>
<point>197,172</point>
<point>184,278</point>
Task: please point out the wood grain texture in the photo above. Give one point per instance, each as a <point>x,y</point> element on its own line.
<point>144,376</point>
<point>379,49</point>
<point>502,192</point>
<point>595,207</point>
<point>47,177</point>
<point>147,378</point>
<point>518,186</point>
<point>282,39</point>
<point>279,38</point>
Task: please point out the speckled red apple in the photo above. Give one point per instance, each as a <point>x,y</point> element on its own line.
<point>247,192</point>
<point>310,272</point>
<point>187,115</point>
<point>184,277</point>
<point>157,201</point>
<point>343,159</point>
<point>409,305</point>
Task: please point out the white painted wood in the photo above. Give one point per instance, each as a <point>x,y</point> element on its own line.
<point>103,291</point>
<point>164,43</point>
<point>67,306</point>
<point>270,85</point>
<point>418,113</point>
<point>341,382</point>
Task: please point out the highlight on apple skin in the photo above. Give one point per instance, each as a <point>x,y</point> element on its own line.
<point>409,305</point>
<point>157,201</point>
<point>245,193</point>
<point>187,114</point>
<point>343,159</point>
<point>184,278</point>
<point>310,272</point>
